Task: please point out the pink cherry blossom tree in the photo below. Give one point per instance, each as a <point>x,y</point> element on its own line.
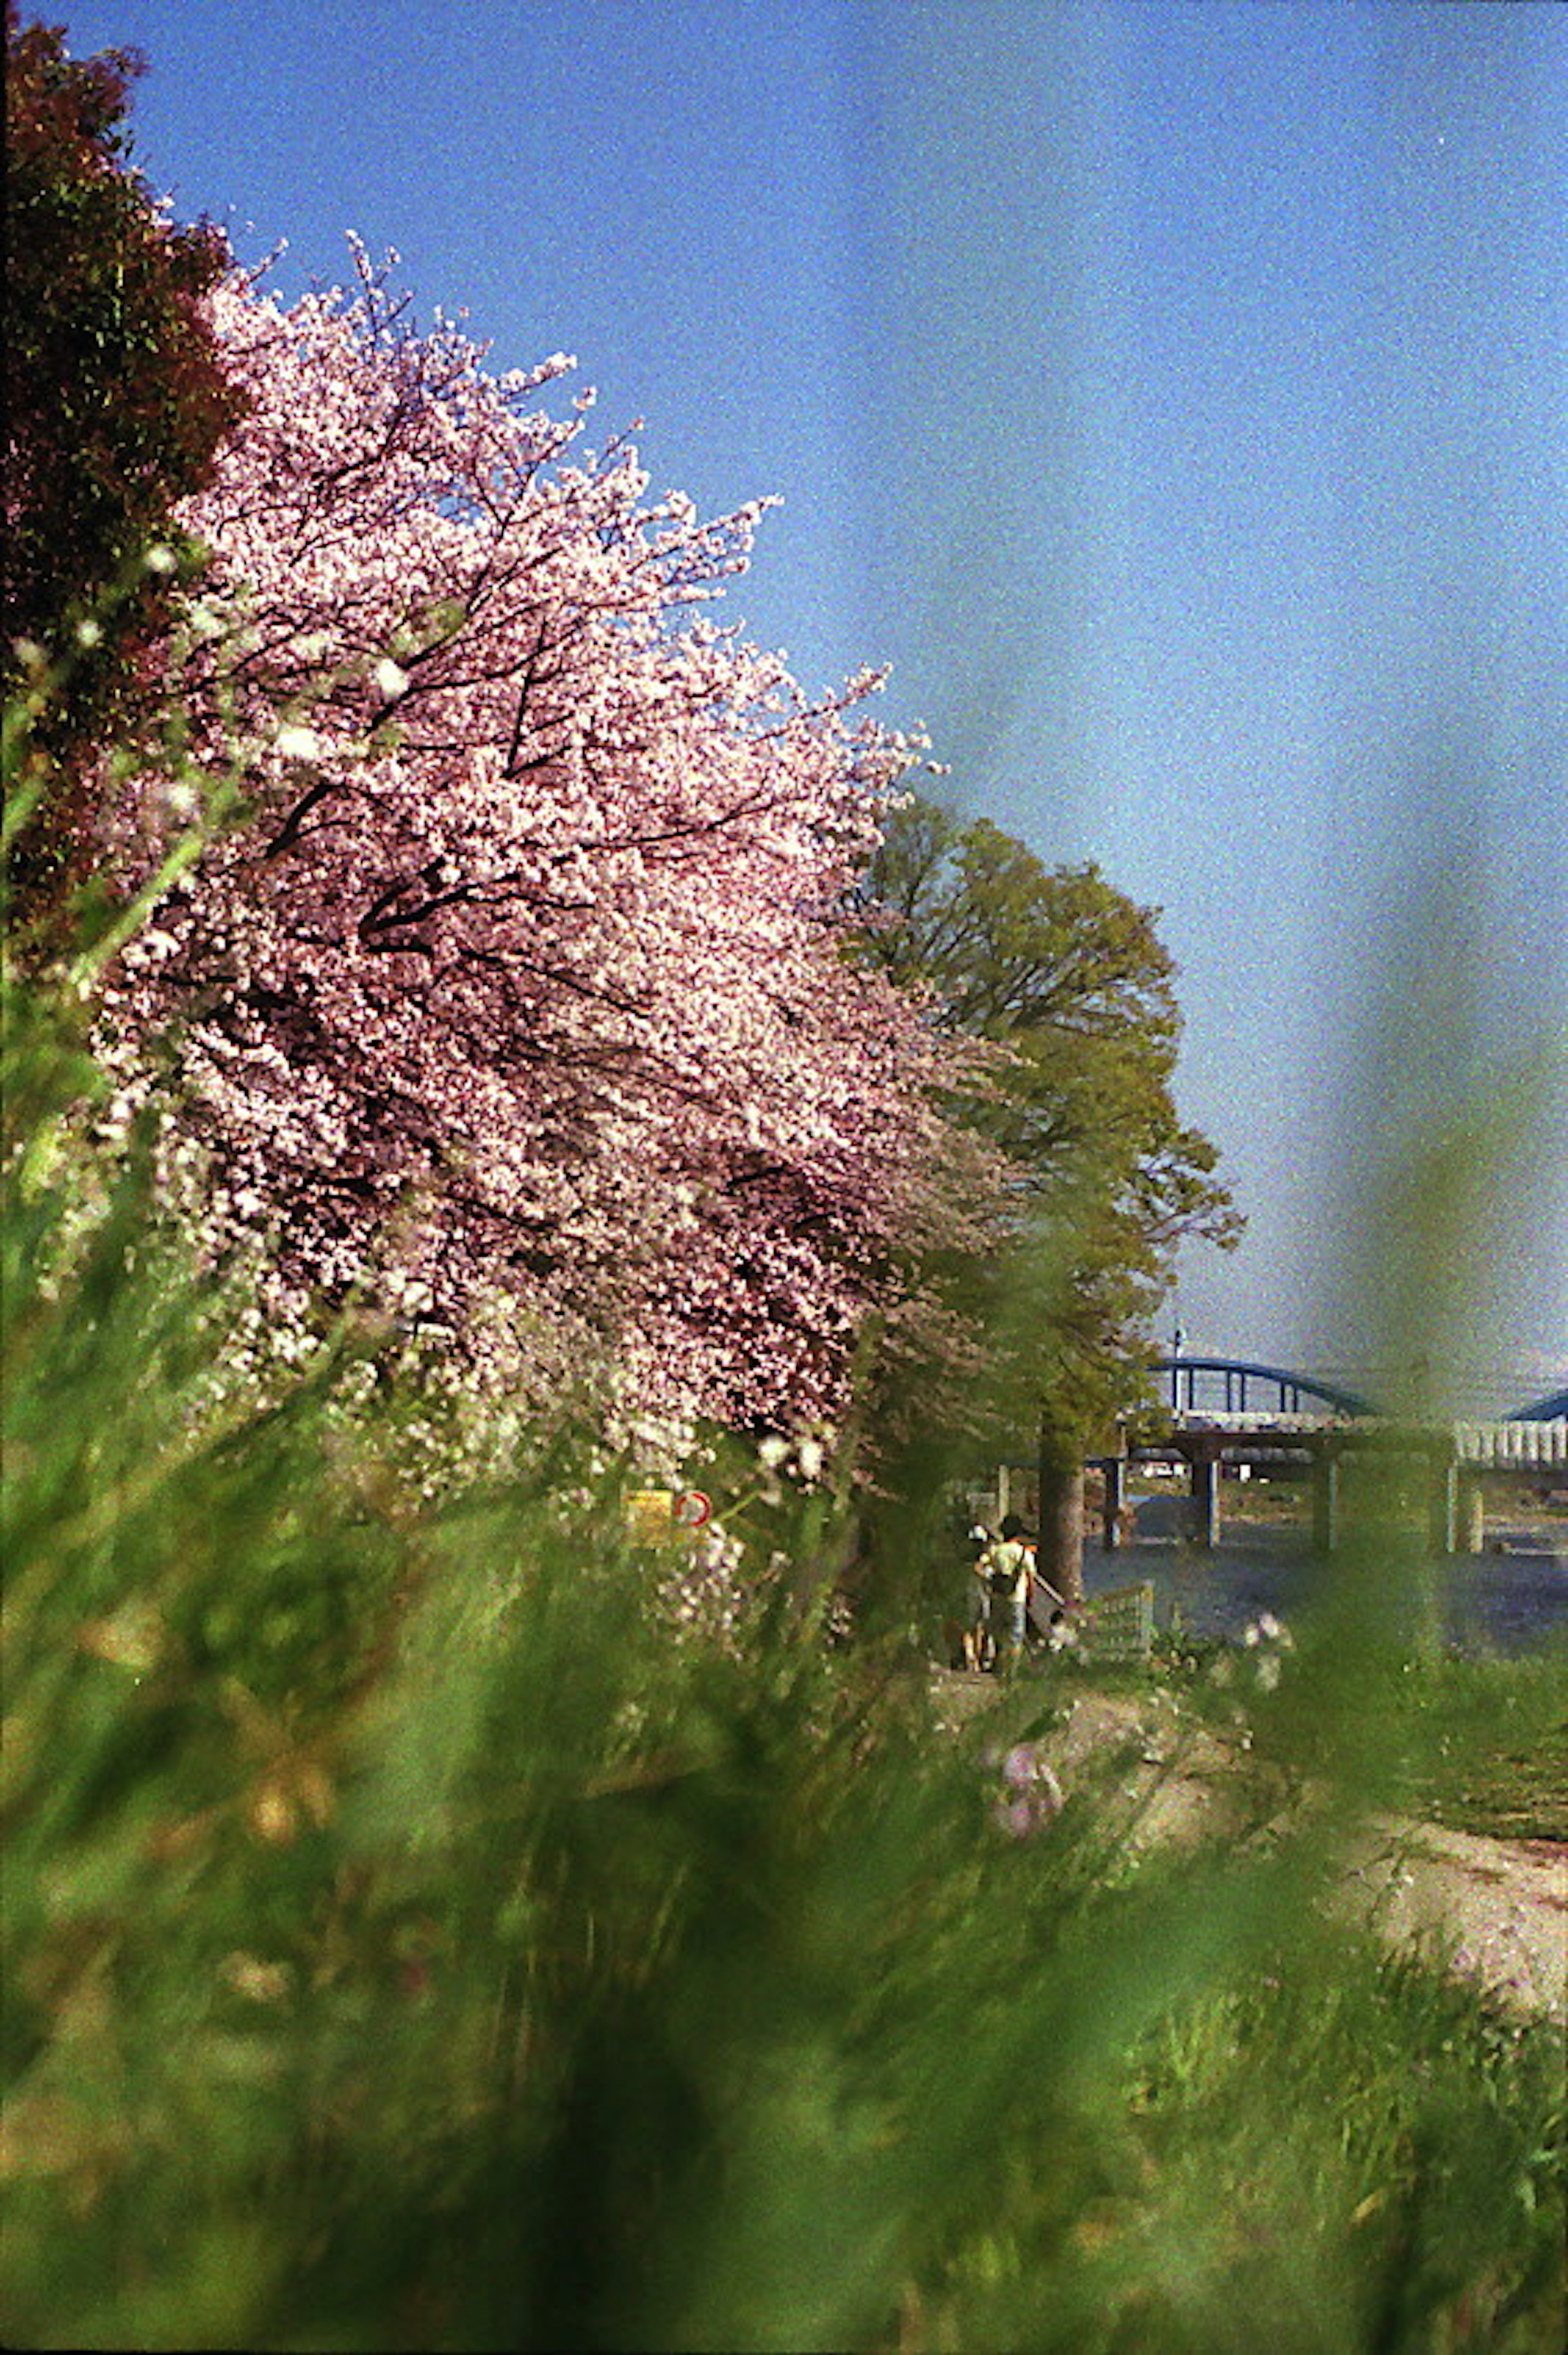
<point>517,1001</point>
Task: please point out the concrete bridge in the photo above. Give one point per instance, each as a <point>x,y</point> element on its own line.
<point>1226,1411</point>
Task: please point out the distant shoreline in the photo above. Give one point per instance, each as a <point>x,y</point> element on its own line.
<point>1244,1509</point>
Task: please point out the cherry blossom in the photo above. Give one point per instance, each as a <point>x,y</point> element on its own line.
<point>516,1006</point>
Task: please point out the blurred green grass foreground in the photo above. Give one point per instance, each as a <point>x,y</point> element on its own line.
<point>418,1935</point>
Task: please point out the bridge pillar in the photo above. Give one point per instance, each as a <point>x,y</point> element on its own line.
<point>1443,1505</point>
<point>1325,1502</point>
<point>1206,1497</point>
<point>1471,1516</point>
<point>1115,1498</point>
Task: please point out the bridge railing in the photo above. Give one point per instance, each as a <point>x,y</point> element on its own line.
<point>1236,1386</point>
<point>1512,1444</point>
<point>1508,1445</point>
<point>1238,1382</point>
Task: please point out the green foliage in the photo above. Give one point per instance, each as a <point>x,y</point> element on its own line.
<point>115,403</point>
<point>1071,979</point>
<point>415,1937</point>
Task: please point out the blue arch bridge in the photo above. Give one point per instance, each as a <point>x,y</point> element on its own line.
<point>1224,1413</point>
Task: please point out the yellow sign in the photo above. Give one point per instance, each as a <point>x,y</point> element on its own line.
<point>657,1516</point>
<point>650,1517</point>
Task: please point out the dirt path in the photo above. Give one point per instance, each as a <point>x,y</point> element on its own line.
<point>1499,1907</point>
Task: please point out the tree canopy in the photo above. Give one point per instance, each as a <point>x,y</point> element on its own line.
<point>1070,978</point>
<point>116,399</point>
<point>517,1000</point>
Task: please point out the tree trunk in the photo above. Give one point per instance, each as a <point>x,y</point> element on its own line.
<point>1060,1553</point>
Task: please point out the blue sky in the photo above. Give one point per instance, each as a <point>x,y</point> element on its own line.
<point>1171,391</point>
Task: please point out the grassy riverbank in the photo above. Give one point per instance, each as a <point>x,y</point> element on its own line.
<point>432,1922</point>
<point>1492,1742</point>
<point>555,1980</point>
<point>1485,1740</point>
<point>1478,1745</point>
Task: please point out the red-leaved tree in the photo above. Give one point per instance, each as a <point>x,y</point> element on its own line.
<point>518,999</point>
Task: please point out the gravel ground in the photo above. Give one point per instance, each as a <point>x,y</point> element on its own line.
<point>1501,1906</point>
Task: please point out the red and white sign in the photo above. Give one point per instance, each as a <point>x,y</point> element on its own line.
<point>693,1510</point>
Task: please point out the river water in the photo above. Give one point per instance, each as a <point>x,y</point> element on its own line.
<point>1512,1598</point>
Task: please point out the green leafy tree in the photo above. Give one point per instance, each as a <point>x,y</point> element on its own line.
<point>1069,978</point>
<point>116,401</point>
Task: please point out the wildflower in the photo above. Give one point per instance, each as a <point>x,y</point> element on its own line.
<point>132,1639</point>
<point>181,801</point>
<point>261,1982</point>
<point>809,1457</point>
<point>772,1451</point>
<point>89,634</point>
<point>298,743</point>
<point>271,1817</point>
<point>159,558</point>
<point>1035,1793</point>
